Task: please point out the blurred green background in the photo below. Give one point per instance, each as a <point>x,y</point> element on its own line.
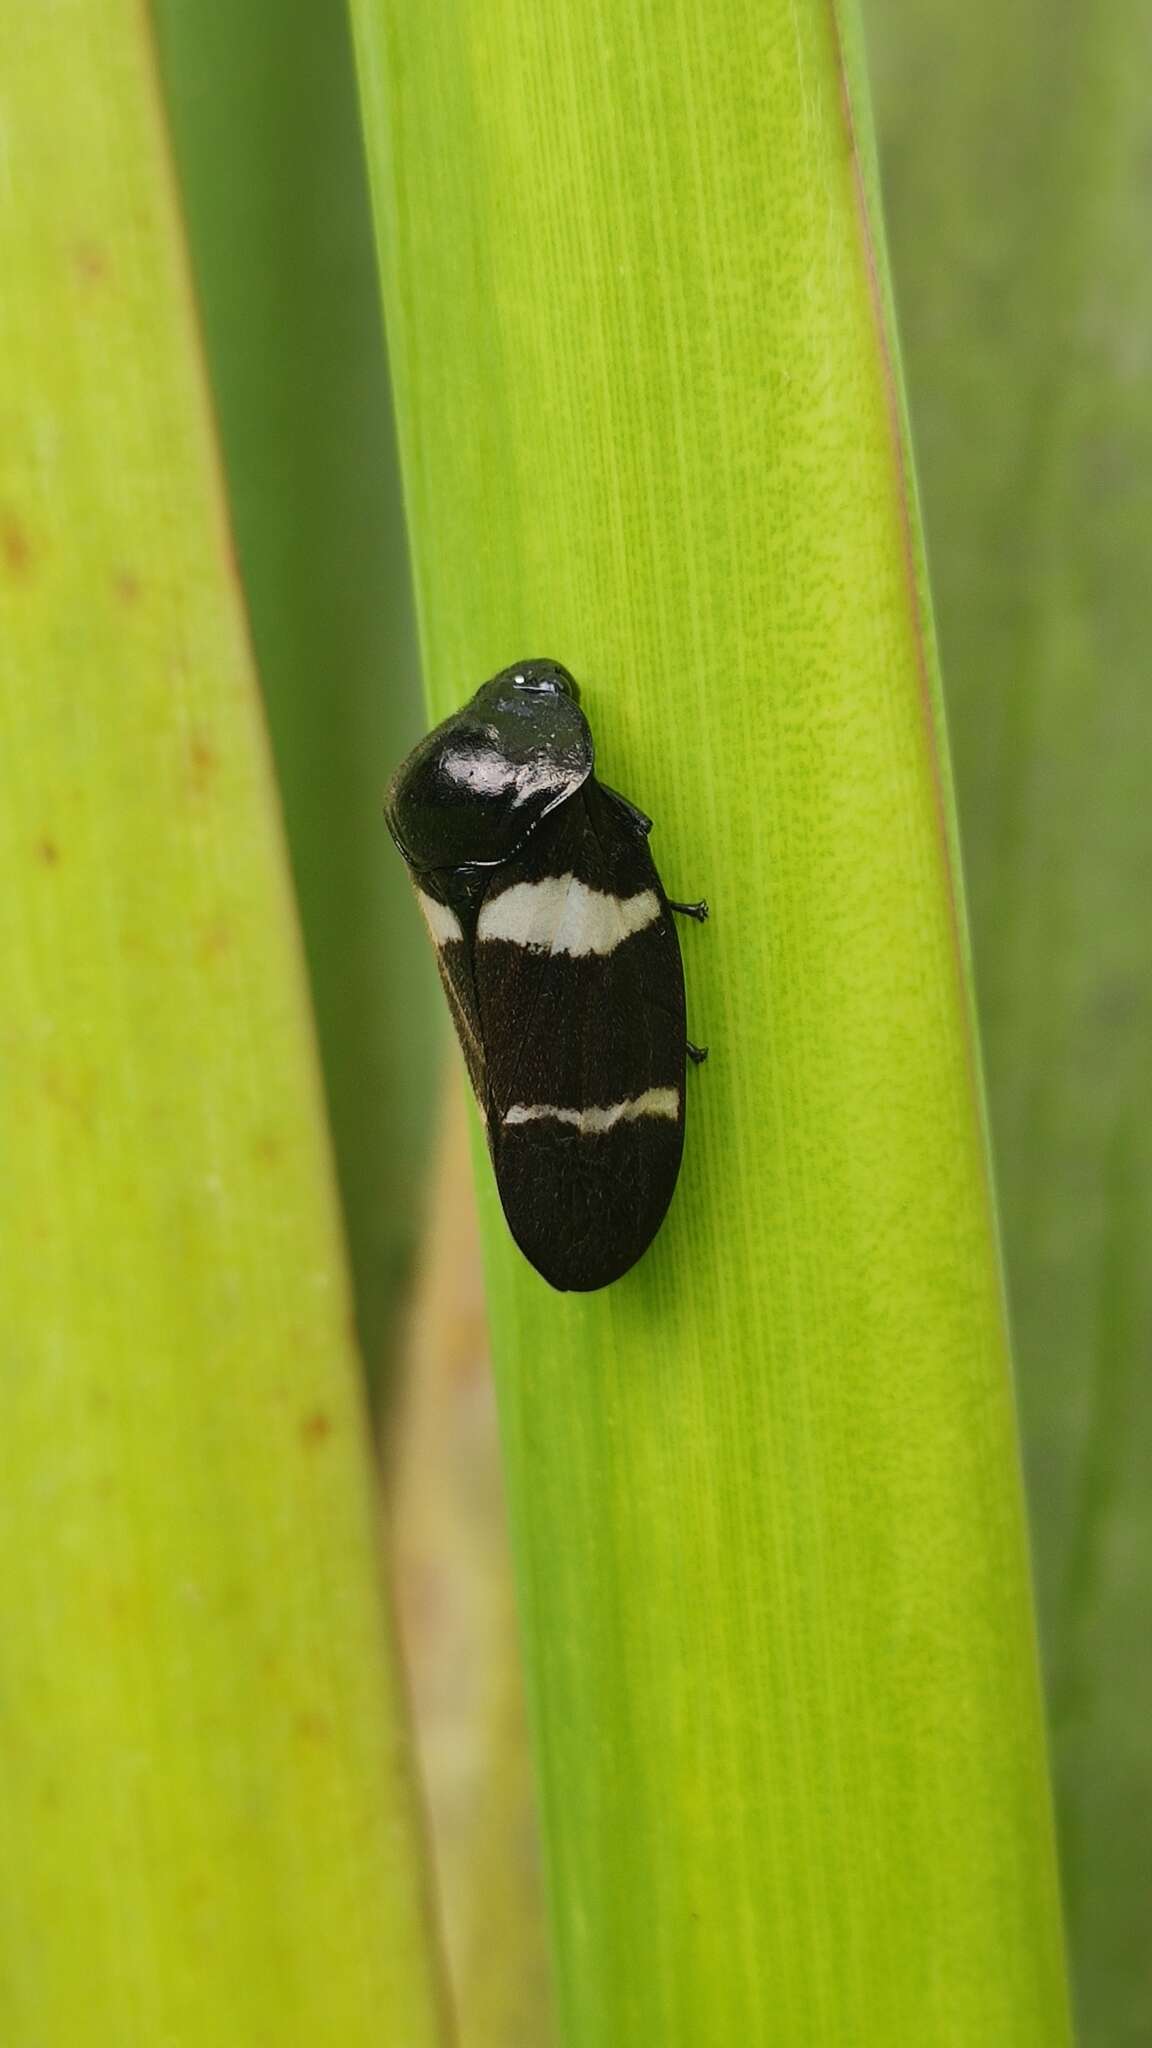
<point>1015,148</point>
<point>266,127</point>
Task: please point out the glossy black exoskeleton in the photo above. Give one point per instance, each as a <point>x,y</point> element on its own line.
<point>559,955</point>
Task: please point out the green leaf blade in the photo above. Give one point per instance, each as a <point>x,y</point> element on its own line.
<point>1027,302</point>
<point>764,1491</point>
<point>209,1829</point>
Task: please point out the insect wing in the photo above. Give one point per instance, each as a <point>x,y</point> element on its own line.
<point>579,1002</point>
<point>452,931</point>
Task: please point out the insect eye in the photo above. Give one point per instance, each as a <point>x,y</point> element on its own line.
<point>544,679</point>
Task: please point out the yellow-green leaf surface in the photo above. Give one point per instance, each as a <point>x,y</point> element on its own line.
<point>764,1491</point>
<point>263,102</point>
<point>1017,165</point>
<point>208,1833</point>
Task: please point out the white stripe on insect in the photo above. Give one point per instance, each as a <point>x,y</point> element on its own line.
<point>561,915</point>
<point>654,1102</point>
<point>443,923</point>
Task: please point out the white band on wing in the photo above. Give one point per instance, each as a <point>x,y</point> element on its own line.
<point>654,1102</point>
<point>562,915</point>
<point>443,923</point>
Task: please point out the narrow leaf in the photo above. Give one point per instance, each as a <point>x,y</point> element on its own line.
<point>765,1490</point>
<point>1023,274</point>
<point>208,1826</point>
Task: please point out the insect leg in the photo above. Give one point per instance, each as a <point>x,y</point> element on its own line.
<point>697,1053</point>
<point>697,910</point>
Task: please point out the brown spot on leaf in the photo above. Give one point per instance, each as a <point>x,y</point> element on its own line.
<point>48,853</point>
<point>93,265</point>
<point>316,1427</point>
<point>312,1727</point>
<point>268,1148</point>
<point>215,939</point>
<point>203,762</point>
<point>127,586</point>
<point>16,549</point>
<point>71,1092</point>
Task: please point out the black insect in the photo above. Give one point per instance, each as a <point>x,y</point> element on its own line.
<point>561,963</point>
